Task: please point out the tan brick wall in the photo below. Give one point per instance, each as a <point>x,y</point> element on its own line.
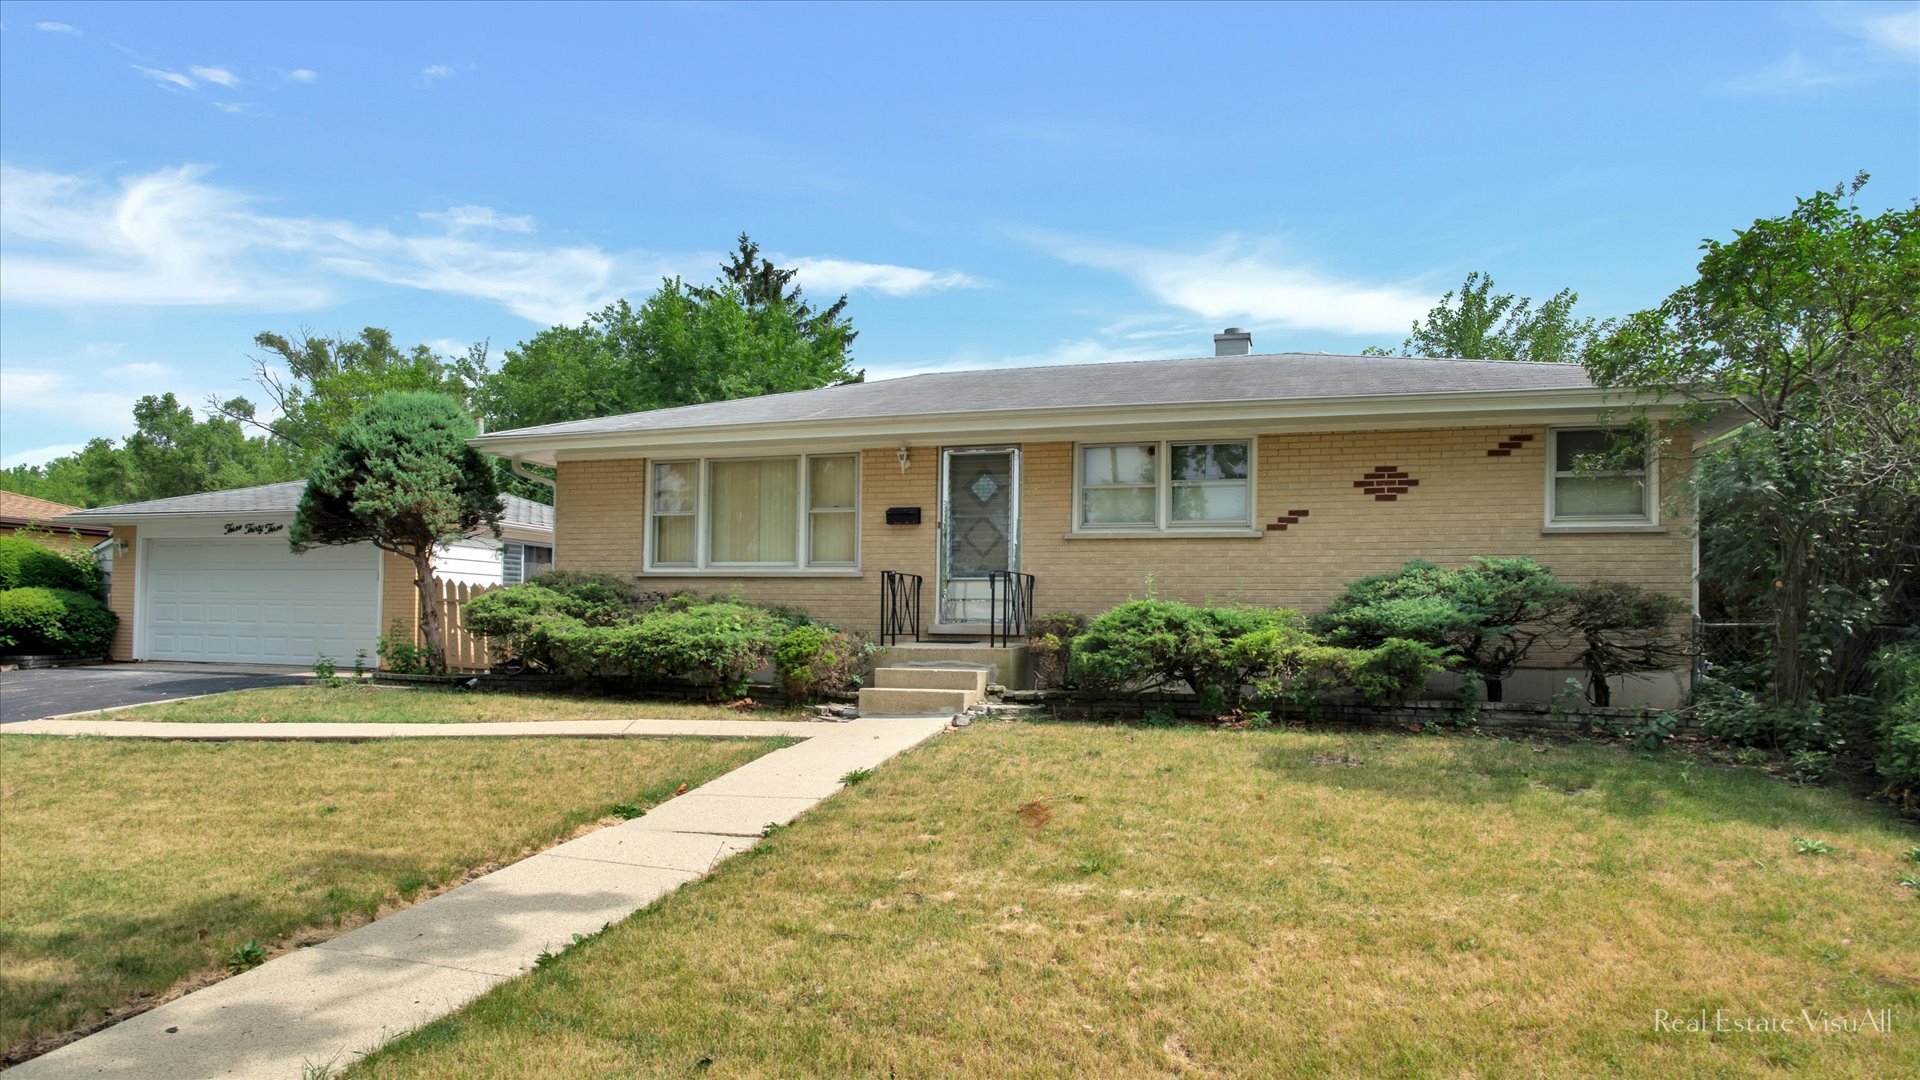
<point>1465,503</point>
<point>120,595</point>
<point>600,525</point>
<point>398,599</point>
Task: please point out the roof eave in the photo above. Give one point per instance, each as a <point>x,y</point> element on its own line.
<point>1297,413</point>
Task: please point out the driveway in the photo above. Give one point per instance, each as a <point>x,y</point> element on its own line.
<point>42,692</point>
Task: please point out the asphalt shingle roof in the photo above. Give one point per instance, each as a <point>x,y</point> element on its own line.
<point>280,499</point>
<point>1265,377</point>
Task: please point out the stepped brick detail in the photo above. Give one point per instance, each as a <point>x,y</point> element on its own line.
<point>1386,483</point>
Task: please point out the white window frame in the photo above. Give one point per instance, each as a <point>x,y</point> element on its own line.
<point>703,565</point>
<point>1647,519</point>
<point>1163,523</point>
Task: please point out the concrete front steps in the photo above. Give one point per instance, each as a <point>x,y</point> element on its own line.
<point>919,691</point>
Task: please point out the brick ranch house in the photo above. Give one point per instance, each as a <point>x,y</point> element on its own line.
<point>1261,479</point>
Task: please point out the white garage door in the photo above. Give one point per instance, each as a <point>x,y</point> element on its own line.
<point>252,601</point>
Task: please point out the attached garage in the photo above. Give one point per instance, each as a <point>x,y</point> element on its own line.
<point>253,601</point>
<point>210,578</point>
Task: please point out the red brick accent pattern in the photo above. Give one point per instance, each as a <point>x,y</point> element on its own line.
<point>1386,483</point>
<point>1291,517</point>
<point>1509,444</point>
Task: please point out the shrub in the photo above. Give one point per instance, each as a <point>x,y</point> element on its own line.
<point>1487,615</point>
<point>65,621</point>
<point>30,621</point>
<point>1050,640</point>
<point>1145,645</point>
<point>1896,671</point>
<point>1620,629</point>
<point>715,645</point>
<point>508,618</point>
<point>814,659</point>
<point>27,565</point>
<point>400,655</point>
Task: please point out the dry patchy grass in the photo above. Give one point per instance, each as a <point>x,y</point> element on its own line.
<point>1050,901</point>
<point>127,867</point>
<point>372,704</point>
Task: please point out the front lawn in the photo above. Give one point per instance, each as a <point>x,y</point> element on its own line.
<point>1037,901</point>
<point>127,867</point>
<point>374,704</point>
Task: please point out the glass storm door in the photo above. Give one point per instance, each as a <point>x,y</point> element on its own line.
<point>979,528</point>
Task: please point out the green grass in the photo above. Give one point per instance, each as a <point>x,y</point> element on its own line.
<point>1052,901</point>
<point>373,704</point>
<point>127,867</point>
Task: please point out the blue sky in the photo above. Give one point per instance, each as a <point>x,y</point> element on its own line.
<point>993,184</point>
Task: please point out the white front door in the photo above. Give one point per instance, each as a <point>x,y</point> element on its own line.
<point>253,601</point>
<point>979,529</point>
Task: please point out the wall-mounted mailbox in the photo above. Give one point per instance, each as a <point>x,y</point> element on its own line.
<point>903,515</point>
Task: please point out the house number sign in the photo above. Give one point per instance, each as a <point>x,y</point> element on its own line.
<point>252,528</point>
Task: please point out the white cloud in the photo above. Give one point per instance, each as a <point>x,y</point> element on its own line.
<point>143,370</point>
<point>214,75</point>
<point>46,394</point>
<point>1236,281</point>
<point>166,78</point>
<point>57,28</point>
<point>163,239</point>
<point>171,238</point>
<point>1870,40</point>
<point>303,75</point>
<point>462,218</point>
<point>1793,74</point>
<point>232,106</point>
<point>40,455</point>
<point>843,275</point>
<point>1897,32</point>
<point>435,73</point>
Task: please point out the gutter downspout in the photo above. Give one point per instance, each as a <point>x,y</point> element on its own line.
<point>520,469</point>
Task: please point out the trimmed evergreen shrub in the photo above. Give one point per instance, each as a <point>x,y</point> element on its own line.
<point>1487,615</point>
<point>27,565</point>
<point>59,621</point>
<point>814,659</point>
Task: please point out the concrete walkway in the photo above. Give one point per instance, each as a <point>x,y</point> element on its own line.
<point>328,1004</point>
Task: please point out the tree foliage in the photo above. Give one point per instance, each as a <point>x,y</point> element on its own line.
<point>169,453</point>
<point>1477,323</point>
<point>750,333</point>
<point>1486,616</point>
<point>401,476</point>
<point>1618,628</point>
<point>314,385</point>
<point>1805,328</point>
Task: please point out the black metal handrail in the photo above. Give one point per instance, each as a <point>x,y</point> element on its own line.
<point>899,606</point>
<point>1010,602</point>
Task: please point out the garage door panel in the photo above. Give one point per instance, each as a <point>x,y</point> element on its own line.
<point>255,601</point>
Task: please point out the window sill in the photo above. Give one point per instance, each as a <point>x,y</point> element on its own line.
<point>1602,527</point>
<point>1165,534</point>
<point>747,572</point>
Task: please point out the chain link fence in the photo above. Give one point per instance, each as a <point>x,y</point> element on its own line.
<point>1736,653</point>
<point>1741,653</point>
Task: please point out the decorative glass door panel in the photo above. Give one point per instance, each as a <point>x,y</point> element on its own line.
<point>979,528</point>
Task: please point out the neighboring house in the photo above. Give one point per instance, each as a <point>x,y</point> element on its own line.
<point>211,577</point>
<point>33,518</point>
<point>1264,479</point>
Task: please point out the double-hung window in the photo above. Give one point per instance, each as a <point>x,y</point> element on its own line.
<point>1167,486</point>
<point>745,514</point>
<point>1597,478</point>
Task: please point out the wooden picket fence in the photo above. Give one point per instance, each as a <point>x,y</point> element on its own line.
<point>465,651</point>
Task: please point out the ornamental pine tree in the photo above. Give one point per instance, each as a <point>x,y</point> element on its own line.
<point>400,476</point>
